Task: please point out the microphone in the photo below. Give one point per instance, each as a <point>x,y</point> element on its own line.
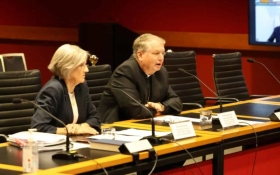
<point>250,60</point>
<point>152,139</point>
<point>272,117</point>
<point>66,155</point>
<point>184,71</point>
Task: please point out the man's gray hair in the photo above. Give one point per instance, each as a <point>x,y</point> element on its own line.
<point>66,58</point>
<point>141,43</point>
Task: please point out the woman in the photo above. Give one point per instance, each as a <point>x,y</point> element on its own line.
<point>66,95</point>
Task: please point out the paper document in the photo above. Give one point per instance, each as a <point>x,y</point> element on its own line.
<point>79,145</point>
<point>170,118</point>
<point>248,121</point>
<point>40,137</point>
<point>117,137</point>
<point>139,132</point>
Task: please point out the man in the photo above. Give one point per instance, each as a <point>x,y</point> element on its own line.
<point>140,79</point>
<point>275,35</point>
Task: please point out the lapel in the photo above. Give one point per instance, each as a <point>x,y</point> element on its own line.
<point>67,104</point>
<point>80,102</point>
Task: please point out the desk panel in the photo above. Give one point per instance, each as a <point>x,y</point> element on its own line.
<point>250,109</point>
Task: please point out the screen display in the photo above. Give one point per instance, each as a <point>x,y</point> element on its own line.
<point>264,22</point>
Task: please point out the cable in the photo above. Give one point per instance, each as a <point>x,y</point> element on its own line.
<point>256,146</point>
<point>172,141</point>
<point>154,164</point>
<point>190,156</point>
<point>3,135</point>
<point>189,170</point>
<point>101,167</point>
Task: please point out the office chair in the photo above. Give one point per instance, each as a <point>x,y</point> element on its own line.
<point>97,77</point>
<point>185,86</point>
<point>229,78</point>
<point>14,62</point>
<point>17,84</point>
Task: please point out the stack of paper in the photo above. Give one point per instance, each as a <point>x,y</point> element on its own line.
<point>46,141</point>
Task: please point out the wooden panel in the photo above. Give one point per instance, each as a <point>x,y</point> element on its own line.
<point>174,39</point>
<point>39,33</point>
<point>209,40</point>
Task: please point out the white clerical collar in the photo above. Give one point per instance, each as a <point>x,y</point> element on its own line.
<point>148,75</point>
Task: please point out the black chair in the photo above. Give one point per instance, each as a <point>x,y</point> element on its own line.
<point>229,78</point>
<point>97,78</point>
<point>18,84</point>
<point>185,86</point>
<point>14,62</point>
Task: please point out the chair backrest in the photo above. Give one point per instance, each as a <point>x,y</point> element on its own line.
<point>97,77</point>
<point>228,76</point>
<point>14,62</point>
<point>185,86</point>
<point>2,68</point>
<point>18,84</point>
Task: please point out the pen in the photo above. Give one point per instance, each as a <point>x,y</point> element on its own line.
<point>82,141</point>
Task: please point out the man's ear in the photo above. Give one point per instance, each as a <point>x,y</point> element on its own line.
<point>139,56</point>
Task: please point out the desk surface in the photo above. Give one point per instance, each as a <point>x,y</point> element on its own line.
<point>258,109</point>
<point>10,157</point>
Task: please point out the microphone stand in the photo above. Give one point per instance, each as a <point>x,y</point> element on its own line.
<point>272,117</point>
<point>183,71</point>
<point>250,60</point>
<point>65,155</point>
<point>152,139</point>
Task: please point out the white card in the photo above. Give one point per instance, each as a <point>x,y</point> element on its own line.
<point>182,129</point>
<point>228,119</point>
<point>277,115</point>
<point>137,146</point>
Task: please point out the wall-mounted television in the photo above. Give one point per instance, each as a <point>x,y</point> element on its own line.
<point>264,22</point>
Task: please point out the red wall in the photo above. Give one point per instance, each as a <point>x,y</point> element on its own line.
<point>215,16</point>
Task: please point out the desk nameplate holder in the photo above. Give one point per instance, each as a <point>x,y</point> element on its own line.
<point>228,120</point>
<point>182,129</point>
<point>133,148</point>
<point>275,116</point>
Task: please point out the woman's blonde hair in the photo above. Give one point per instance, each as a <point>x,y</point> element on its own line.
<point>66,58</point>
<point>141,43</point>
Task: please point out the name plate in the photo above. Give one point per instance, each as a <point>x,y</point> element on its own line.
<point>134,147</point>
<point>182,129</point>
<point>228,119</point>
<point>277,115</point>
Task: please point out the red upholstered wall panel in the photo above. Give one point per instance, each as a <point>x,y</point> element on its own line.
<point>215,16</point>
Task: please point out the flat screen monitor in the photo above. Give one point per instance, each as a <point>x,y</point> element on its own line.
<point>264,22</point>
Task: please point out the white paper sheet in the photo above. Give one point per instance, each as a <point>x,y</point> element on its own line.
<point>139,132</point>
<point>248,121</point>
<point>117,137</point>
<point>170,118</point>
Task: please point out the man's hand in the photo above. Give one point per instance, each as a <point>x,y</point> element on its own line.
<point>157,106</point>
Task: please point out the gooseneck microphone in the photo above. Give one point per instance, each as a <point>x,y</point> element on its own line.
<point>62,154</point>
<point>152,139</point>
<point>250,60</point>
<point>184,71</point>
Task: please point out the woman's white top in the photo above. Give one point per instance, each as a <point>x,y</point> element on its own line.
<point>74,107</point>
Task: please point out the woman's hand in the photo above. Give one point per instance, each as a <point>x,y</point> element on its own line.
<point>73,128</point>
<point>86,129</point>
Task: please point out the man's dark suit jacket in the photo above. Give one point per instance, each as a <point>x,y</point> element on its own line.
<point>129,81</point>
<point>54,98</point>
<point>275,35</point>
